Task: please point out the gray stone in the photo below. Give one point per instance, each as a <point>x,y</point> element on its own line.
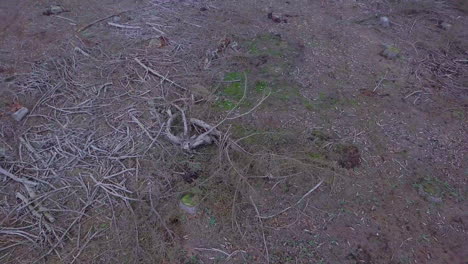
<point>188,209</point>
<point>428,197</point>
<point>54,10</point>
<point>20,114</point>
<point>384,22</point>
<point>155,43</point>
<point>446,26</point>
<point>391,52</point>
<point>3,152</point>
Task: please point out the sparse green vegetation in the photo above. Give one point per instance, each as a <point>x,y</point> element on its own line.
<point>189,199</point>
<point>261,86</point>
<point>267,45</point>
<point>316,155</point>
<point>433,189</point>
<point>225,104</point>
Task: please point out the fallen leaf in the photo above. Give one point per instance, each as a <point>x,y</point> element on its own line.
<point>164,41</point>
<point>15,106</point>
<point>223,45</point>
<point>368,92</point>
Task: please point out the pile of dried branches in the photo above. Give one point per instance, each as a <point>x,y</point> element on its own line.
<point>82,150</point>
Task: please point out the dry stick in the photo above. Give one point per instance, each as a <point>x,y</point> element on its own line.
<point>32,209</point>
<point>228,256</point>
<point>153,27</point>
<point>84,53</point>
<point>101,19</point>
<point>235,107</point>
<point>30,237</point>
<point>186,142</point>
<point>263,232</point>
<point>64,234</point>
<point>122,26</point>
<point>233,210</point>
<point>41,209</point>
<point>184,119</point>
<point>174,139</point>
<point>42,99</point>
<point>84,245</point>
<point>298,202</point>
<point>153,209</point>
<point>15,178</point>
<point>141,126</point>
<point>380,82</point>
<point>162,77</point>
<point>413,93</point>
<point>66,18</point>
<point>154,140</point>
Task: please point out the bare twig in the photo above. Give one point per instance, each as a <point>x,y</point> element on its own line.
<point>122,26</point>
<point>33,210</point>
<point>101,19</point>
<point>380,82</point>
<point>153,209</point>
<point>189,144</point>
<point>163,78</point>
<point>298,202</point>
<point>228,255</point>
<point>17,179</point>
<point>228,117</point>
<point>263,232</point>
<point>89,238</point>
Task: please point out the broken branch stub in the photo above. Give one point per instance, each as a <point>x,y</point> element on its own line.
<point>189,143</point>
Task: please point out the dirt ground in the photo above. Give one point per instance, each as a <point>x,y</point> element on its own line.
<point>342,131</point>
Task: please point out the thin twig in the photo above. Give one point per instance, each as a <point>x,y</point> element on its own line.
<point>162,77</point>
<point>263,231</point>
<point>153,209</point>
<point>380,82</point>
<point>17,179</point>
<point>122,26</point>
<point>228,256</point>
<point>298,202</point>
<point>228,117</point>
<point>101,19</point>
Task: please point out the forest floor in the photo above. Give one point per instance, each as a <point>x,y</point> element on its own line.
<point>341,131</point>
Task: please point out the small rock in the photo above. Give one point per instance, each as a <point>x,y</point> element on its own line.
<point>188,209</point>
<point>3,152</point>
<point>428,197</point>
<point>155,42</point>
<point>391,52</point>
<point>276,18</point>
<point>201,91</point>
<point>188,203</point>
<point>116,19</point>
<point>444,25</point>
<point>384,22</point>
<point>20,114</point>
<point>10,78</point>
<point>54,10</point>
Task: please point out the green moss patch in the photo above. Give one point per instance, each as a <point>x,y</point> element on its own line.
<point>188,200</point>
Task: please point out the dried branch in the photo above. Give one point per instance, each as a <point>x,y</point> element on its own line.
<point>298,202</point>
<point>162,77</point>
<point>17,179</point>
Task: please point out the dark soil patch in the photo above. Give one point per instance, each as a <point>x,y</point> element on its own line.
<point>349,156</point>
